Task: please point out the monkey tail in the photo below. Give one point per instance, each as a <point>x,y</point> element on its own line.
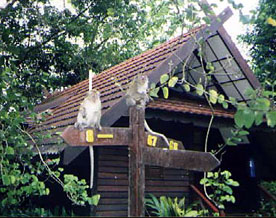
<point>91,152</point>
<point>156,133</point>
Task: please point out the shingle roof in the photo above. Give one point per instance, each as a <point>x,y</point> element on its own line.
<point>185,106</point>
<point>65,105</point>
<point>66,112</point>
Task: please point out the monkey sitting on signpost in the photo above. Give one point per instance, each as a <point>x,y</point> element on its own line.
<point>136,94</point>
<point>89,115</point>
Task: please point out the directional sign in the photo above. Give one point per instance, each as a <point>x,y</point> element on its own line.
<point>144,148</point>
<point>181,159</point>
<point>157,141</point>
<point>88,137</point>
<point>112,136</point>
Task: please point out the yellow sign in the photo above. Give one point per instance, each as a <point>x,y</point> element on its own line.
<point>173,145</point>
<point>105,136</point>
<point>152,140</point>
<point>89,135</point>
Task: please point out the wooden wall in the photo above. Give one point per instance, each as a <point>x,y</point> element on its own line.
<point>112,181</point>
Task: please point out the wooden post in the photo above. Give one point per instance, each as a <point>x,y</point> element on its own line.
<point>136,188</point>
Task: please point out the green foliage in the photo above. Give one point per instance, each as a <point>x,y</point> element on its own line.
<point>77,190</point>
<point>23,175</point>
<point>199,89</point>
<point>268,207</point>
<point>213,96</point>
<point>172,82</point>
<point>260,38</point>
<point>165,92</point>
<point>164,78</point>
<point>259,106</point>
<point>270,186</point>
<point>166,207</point>
<point>220,185</point>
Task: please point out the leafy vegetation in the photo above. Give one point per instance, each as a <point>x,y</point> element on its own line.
<point>221,185</point>
<point>166,207</point>
<point>268,206</point>
<point>261,40</point>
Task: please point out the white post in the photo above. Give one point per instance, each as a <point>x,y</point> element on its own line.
<point>90,79</point>
<point>91,150</point>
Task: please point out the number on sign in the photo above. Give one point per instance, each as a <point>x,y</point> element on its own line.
<point>90,135</point>
<point>173,145</point>
<point>152,140</point>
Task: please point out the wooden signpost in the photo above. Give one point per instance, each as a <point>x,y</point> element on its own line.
<point>144,149</point>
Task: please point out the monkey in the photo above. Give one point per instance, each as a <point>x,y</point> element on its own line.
<point>137,95</point>
<point>137,92</point>
<point>90,112</point>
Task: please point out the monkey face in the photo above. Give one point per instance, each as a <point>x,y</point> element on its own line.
<point>93,95</point>
<point>142,79</point>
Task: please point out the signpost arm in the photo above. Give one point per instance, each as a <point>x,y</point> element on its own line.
<point>136,175</point>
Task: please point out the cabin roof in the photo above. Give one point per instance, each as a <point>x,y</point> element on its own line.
<point>155,62</point>
<point>190,107</point>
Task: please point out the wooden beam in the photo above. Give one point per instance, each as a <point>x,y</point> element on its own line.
<point>181,159</point>
<point>136,188</point>
<point>92,137</point>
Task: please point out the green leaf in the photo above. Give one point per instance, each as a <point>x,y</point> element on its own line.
<point>248,118</point>
<point>13,179</point>
<point>228,190</point>
<point>6,180</point>
<point>173,81</point>
<point>250,93</point>
<point>186,87</point>
<point>271,118</point>
<point>262,104</point>
<point>165,92</point>
<point>154,92</point>
<point>230,142</point>
<point>258,117</point>
<point>152,86</point>
<point>233,101</point>
<point>164,78</point>
<point>238,118</point>
<point>225,105</point>
<point>199,89</point>
<point>95,200</point>
<point>243,133</point>
<point>10,150</point>
<point>221,99</point>
<point>213,96</point>
<point>203,181</point>
<point>110,12</point>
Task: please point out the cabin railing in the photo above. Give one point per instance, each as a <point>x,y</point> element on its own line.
<point>266,193</point>
<point>206,201</point>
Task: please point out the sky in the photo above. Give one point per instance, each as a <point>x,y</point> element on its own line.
<point>233,26</point>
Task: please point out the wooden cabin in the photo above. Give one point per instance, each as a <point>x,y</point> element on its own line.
<point>184,116</point>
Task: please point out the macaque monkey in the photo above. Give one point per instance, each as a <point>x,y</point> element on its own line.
<point>137,95</point>
<point>90,111</point>
<point>137,91</point>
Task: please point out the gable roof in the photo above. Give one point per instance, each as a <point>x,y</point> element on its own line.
<point>153,63</point>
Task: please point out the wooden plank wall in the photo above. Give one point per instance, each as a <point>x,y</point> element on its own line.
<point>112,181</point>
